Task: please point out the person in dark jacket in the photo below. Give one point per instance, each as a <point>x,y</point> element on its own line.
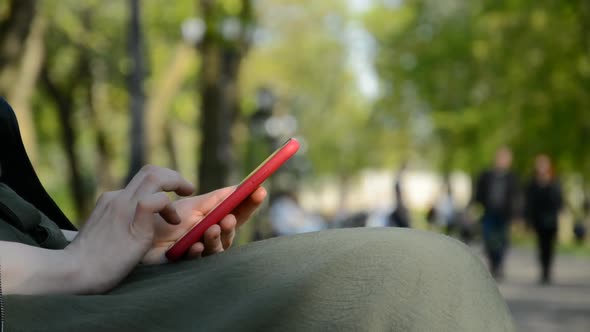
<point>496,191</point>
<point>544,200</point>
<point>400,216</point>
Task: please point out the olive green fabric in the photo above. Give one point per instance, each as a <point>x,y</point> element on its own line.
<point>23,223</point>
<point>339,280</point>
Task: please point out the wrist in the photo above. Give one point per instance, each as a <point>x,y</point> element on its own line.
<point>32,270</point>
<point>76,272</point>
<point>82,272</point>
<point>62,274</point>
<point>95,271</point>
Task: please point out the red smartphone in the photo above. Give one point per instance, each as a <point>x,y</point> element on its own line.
<point>225,207</point>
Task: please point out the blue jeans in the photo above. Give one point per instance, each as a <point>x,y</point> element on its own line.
<point>495,239</point>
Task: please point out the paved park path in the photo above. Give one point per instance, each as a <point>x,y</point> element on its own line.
<point>563,306</point>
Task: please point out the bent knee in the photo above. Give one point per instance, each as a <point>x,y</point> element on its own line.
<point>396,245</point>
<point>409,271</point>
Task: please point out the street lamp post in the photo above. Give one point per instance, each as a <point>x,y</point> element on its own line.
<point>265,101</point>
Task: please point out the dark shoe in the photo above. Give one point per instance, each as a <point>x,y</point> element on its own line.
<point>545,281</point>
<point>498,275</point>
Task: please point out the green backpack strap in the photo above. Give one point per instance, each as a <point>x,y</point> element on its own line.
<point>24,223</point>
<point>11,227</point>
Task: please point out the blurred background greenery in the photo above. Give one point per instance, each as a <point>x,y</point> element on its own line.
<point>211,87</point>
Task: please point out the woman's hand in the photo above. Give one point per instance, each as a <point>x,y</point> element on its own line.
<point>122,227</point>
<point>191,211</point>
<point>127,226</point>
<point>139,223</point>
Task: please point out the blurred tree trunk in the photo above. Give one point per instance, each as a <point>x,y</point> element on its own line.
<point>13,33</point>
<point>96,95</point>
<point>218,109</point>
<point>93,72</point>
<point>584,15</point>
<point>163,92</point>
<point>170,144</point>
<point>21,53</point>
<point>136,78</point>
<point>221,57</point>
<point>21,92</point>
<point>64,101</point>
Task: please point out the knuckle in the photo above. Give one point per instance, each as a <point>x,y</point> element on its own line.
<point>107,196</point>
<point>142,206</point>
<point>148,168</point>
<point>164,199</point>
<point>151,177</point>
<point>175,174</point>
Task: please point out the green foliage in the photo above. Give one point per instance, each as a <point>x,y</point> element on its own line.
<point>457,79</point>
<point>303,56</point>
<point>97,31</point>
<point>300,51</point>
<point>488,73</point>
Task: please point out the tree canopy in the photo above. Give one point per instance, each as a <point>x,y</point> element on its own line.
<point>478,74</point>
<point>457,79</point>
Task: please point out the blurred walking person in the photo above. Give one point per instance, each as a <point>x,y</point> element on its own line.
<point>544,200</point>
<point>446,210</point>
<point>400,216</point>
<point>287,217</point>
<point>496,191</point>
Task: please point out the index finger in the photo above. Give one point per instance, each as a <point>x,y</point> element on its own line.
<point>153,179</point>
